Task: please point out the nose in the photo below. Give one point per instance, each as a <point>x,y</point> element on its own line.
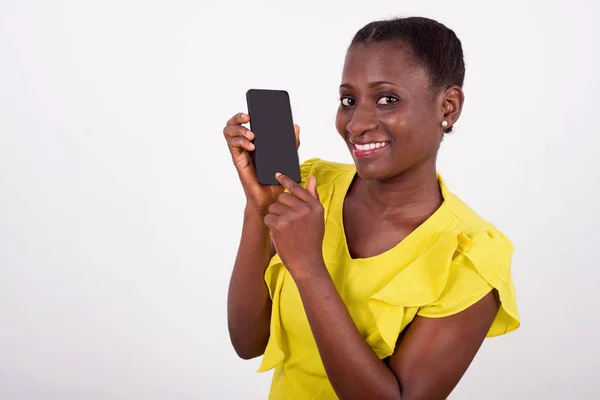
<point>362,120</point>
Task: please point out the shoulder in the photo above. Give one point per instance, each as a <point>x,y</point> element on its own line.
<point>325,171</point>
<point>467,223</point>
<point>468,218</point>
<point>481,262</point>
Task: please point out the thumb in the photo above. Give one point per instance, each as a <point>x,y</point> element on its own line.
<point>297,134</point>
<point>311,186</point>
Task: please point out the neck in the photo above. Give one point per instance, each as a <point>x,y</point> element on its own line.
<point>413,194</point>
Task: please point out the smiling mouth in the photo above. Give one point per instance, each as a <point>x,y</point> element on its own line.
<point>369,149</point>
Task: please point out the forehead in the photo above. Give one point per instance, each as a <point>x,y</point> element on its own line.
<point>393,62</point>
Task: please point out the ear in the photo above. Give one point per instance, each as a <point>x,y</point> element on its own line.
<point>452,100</point>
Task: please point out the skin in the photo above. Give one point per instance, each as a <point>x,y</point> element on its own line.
<point>248,302</point>
<point>393,193</point>
<point>397,190</point>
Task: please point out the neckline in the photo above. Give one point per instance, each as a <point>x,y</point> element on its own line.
<point>418,234</point>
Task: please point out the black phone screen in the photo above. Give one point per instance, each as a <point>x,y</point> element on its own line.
<point>275,143</point>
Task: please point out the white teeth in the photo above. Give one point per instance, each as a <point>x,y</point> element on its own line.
<point>370,146</point>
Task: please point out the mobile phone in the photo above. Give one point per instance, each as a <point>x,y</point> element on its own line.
<point>274,139</point>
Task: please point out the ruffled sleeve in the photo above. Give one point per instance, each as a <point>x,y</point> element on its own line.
<point>455,272</point>
<point>275,276</point>
<point>307,169</point>
<point>481,264</point>
<point>416,284</point>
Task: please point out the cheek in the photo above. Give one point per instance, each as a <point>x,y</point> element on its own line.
<point>426,138</point>
<point>398,124</point>
<point>419,123</point>
<point>412,131</point>
<point>341,121</point>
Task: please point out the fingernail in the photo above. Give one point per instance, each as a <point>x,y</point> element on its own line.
<point>243,116</point>
<point>278,174</point>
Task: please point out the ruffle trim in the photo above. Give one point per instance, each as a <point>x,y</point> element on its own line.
<point>416,285</point>
<point>275,275</point>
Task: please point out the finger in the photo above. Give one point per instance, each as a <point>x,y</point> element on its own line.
<point>278,209</point>
<point>271,220</point>
<point>311,186</point>
<point>297,134</point>
<point>236,130</point>
<point>289,200</point>
<point>238,119</point>
<point>293,187</point>
<point>243,163</point>
<point>240,143</point>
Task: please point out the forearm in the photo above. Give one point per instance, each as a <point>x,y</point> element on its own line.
<point>353,368</point>
<point>248,302</point>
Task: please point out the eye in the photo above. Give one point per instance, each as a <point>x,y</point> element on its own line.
<point>387,100</point>
<point>347,101</point>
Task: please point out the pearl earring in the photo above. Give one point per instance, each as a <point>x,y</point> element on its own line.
<point>444,123</point>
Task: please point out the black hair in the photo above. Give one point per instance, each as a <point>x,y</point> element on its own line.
<point>435,46</point>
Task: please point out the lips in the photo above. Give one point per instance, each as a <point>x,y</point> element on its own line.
<point>362,150</point>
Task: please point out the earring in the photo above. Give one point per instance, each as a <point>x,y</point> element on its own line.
<point>444,123</point>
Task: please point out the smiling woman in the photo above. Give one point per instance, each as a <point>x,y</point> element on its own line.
<point>380,283</point>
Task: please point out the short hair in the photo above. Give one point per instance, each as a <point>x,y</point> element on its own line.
<point>436,47</point>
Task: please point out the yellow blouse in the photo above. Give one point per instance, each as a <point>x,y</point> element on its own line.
<point>447,264</point>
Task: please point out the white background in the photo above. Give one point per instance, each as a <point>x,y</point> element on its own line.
<point>120,211</point>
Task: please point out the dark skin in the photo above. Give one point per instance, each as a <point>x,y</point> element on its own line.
<point>396,191</point>
<point>393,193</point>
<point>248,303</point>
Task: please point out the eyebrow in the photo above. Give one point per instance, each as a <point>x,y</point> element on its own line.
<point>371,85</point>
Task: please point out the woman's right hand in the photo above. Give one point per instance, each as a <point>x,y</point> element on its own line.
<point>239,138</point>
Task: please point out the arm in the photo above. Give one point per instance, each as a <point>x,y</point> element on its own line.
<point>429,360</point>
<point>432,354</point>
<point>248,301</point>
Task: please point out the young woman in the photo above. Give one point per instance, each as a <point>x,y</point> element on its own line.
<point>371,280</point>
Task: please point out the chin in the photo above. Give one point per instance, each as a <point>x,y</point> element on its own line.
<point>374,169</point>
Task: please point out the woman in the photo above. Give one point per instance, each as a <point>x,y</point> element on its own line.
<point>380,283</point>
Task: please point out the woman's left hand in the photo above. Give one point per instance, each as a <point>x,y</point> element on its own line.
<point>297,225</point>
